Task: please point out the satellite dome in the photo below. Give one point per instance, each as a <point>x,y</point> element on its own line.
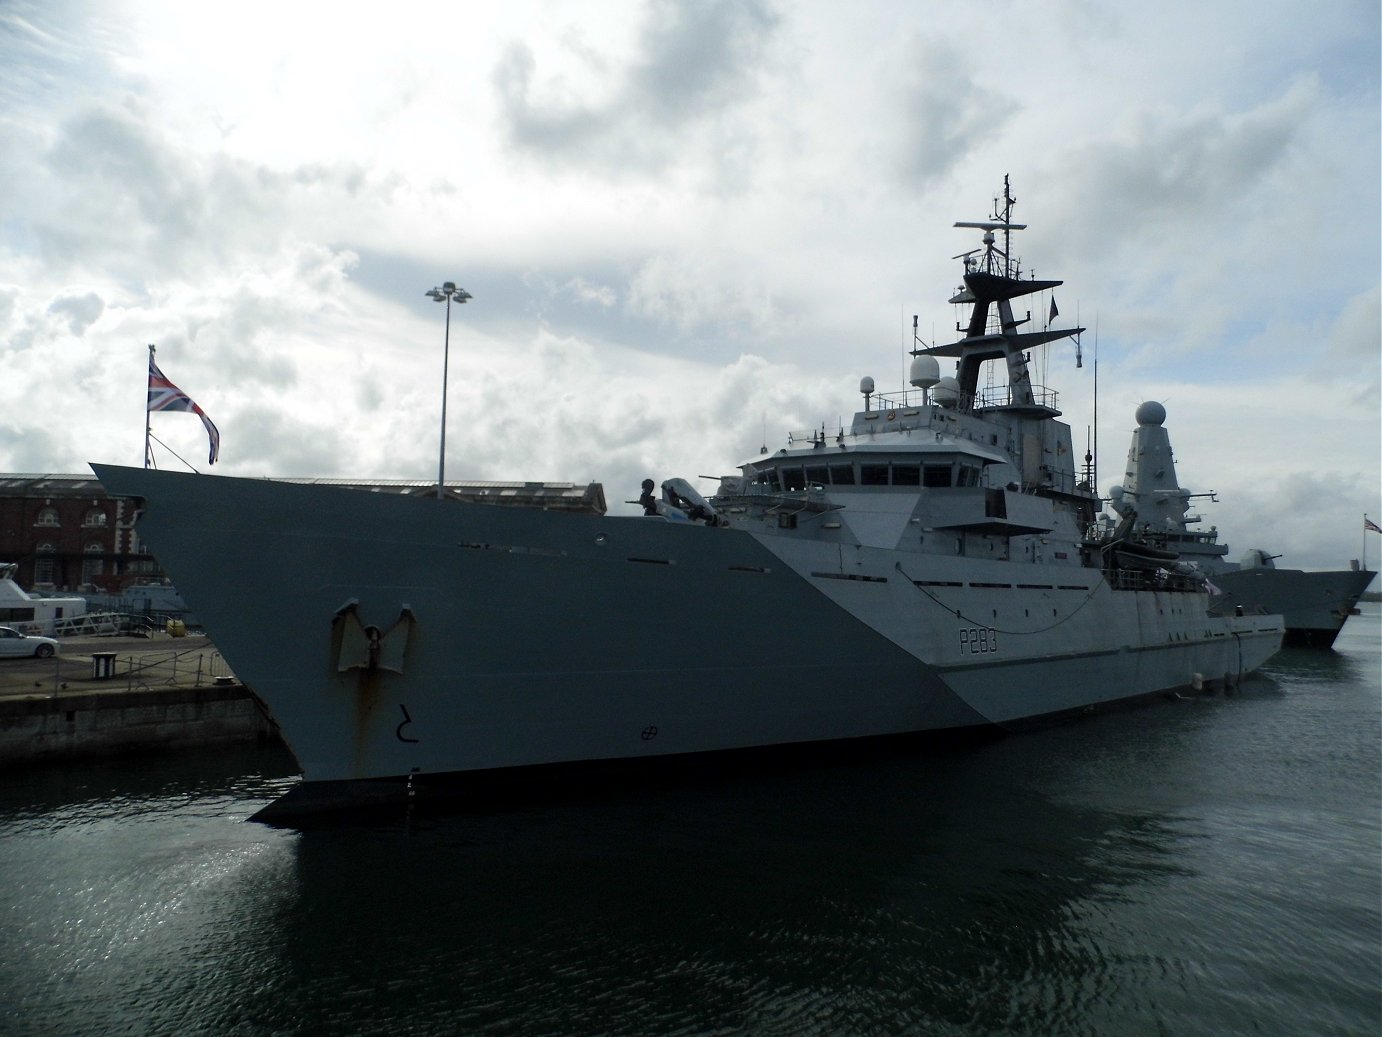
<point>1151,413</point>
<point>1115,492</point>
<point>926,372</point>
<point>946,392</point>
<point>866,384</point>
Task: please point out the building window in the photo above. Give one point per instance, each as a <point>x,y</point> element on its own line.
<point>93,565</point>
<point>94,517</point>
<point>45,566</point>
<point>48,517</point>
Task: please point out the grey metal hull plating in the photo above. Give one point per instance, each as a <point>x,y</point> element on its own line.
<point>541,638</point>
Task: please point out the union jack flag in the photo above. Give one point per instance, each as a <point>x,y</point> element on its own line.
<point>1369,524</point>
<point>164,395</point>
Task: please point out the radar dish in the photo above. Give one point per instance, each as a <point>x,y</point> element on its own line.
<point>926,372</point>
<point>1151,413</point>
<point>946,392</point>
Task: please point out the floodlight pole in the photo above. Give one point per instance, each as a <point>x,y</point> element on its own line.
<point>446,292</point>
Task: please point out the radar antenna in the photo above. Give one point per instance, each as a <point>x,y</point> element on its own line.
<point>1000,220</point>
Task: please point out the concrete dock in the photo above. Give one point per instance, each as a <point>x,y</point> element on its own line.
<point>104,695</point>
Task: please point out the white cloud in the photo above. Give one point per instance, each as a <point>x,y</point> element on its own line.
<point>80,309</point>
<point>693,62</point>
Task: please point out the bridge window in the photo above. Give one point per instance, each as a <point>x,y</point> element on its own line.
<point>906,475</point>
<point>873,474</point>
<point>842,474</point>
<point>818,475</point>
<point>793,480</point>
<point>936,475</point>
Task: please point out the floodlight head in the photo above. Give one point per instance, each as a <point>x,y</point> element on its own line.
<point>447,292</point>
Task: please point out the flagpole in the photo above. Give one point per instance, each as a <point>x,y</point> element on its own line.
<point>148,429</point>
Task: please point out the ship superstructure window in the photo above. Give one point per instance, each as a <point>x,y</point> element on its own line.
<point>795,480</point>
<point>790,479</point>
<point>873,475</point>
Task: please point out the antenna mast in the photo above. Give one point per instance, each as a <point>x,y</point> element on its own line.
<point>1094,471</point>
<point>1005,216</point>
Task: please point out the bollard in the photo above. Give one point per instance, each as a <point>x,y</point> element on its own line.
<point>102,665</point>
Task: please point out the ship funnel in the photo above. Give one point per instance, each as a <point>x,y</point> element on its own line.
<point>926,372</point>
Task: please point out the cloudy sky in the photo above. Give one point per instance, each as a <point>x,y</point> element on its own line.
<point>688,227</point>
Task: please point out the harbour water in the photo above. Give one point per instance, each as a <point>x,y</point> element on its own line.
<point>1207,865</point>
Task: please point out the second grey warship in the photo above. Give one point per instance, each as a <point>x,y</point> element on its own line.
<point>1313,605</point>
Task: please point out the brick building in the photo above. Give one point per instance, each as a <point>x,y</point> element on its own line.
<point>65,534</point>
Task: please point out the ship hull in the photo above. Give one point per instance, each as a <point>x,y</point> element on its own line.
<point>1313,605</point>
<point>398,639</point>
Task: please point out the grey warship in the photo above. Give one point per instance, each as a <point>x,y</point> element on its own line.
<point>930,568</point>
<point>1313,605</point>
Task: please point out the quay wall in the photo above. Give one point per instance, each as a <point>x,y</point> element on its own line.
<point>104,695</point>
<point>39,728</point>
